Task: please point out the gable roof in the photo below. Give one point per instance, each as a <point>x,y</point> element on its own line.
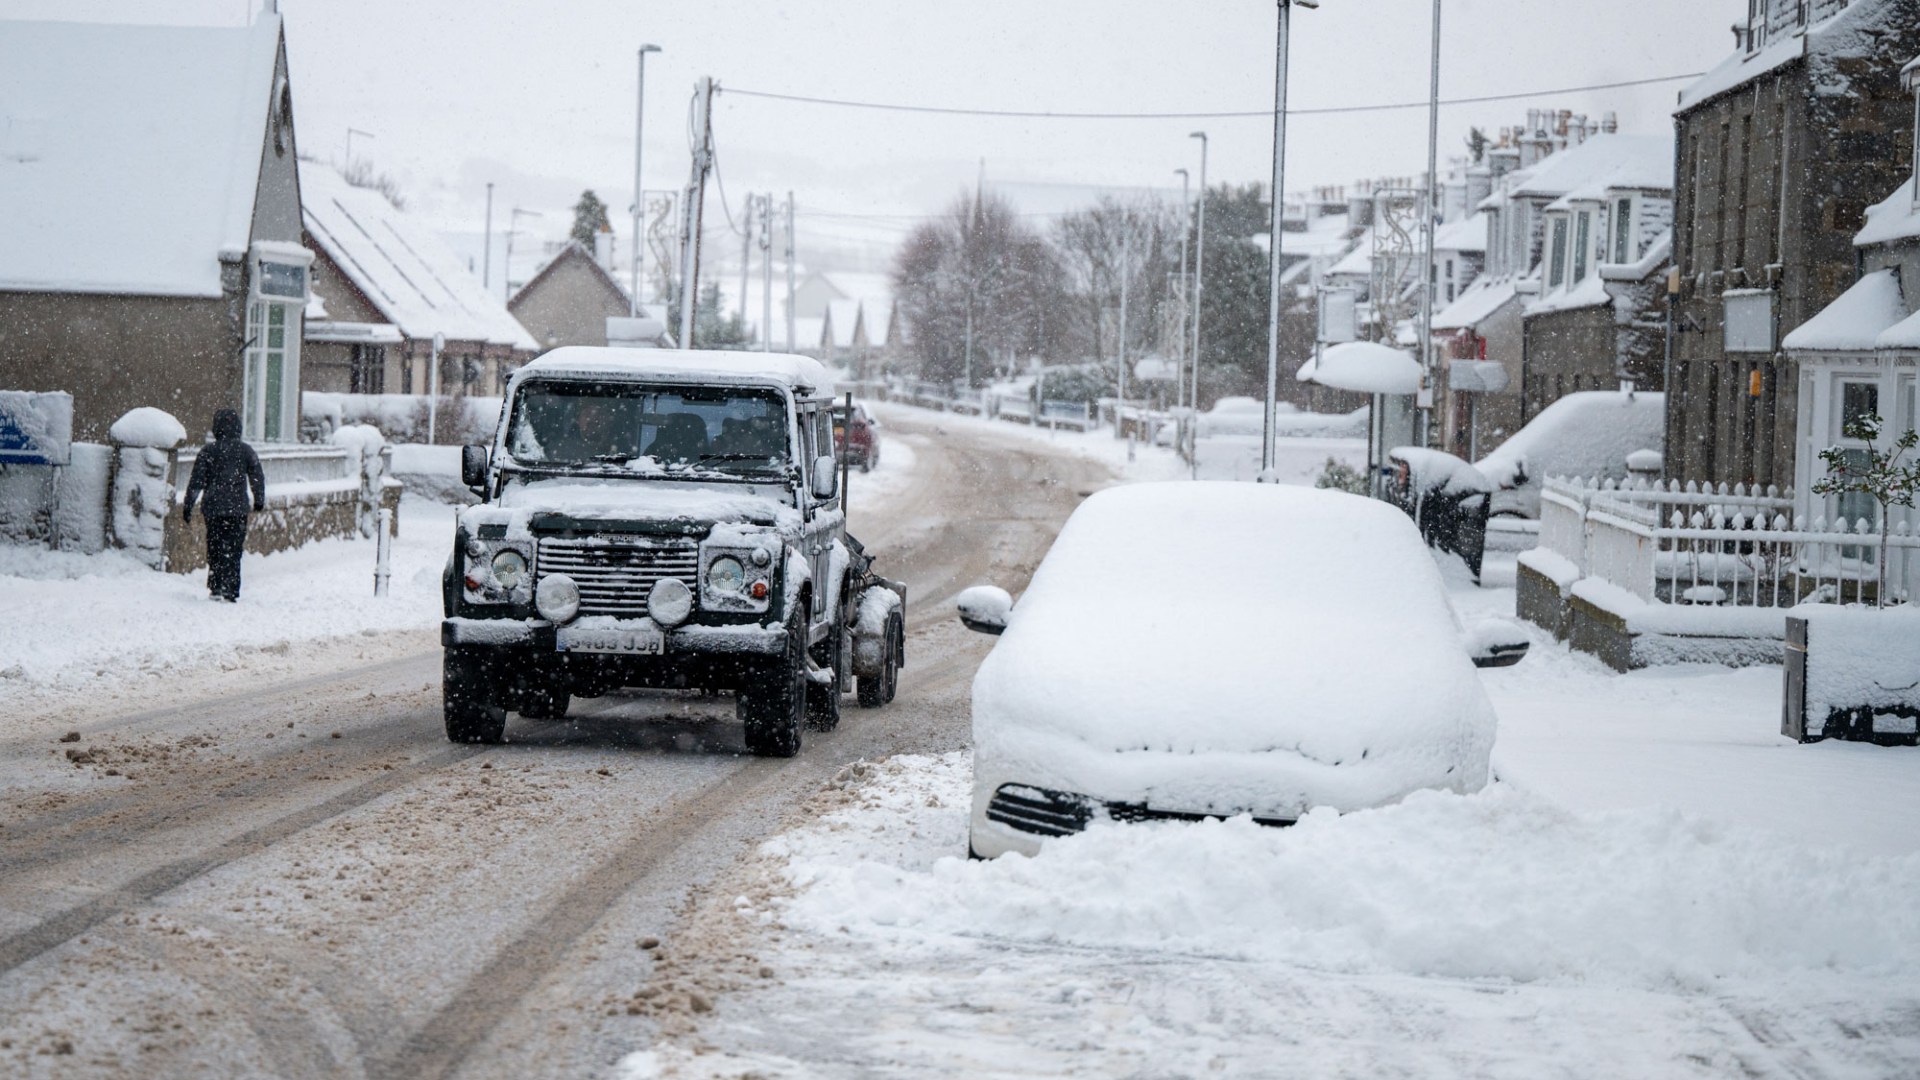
<point>572,249</point>
<point>402,266</point>
<point>1603,162</point>
<point>134,150</point>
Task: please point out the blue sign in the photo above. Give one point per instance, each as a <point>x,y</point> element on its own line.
<point>36,429</point>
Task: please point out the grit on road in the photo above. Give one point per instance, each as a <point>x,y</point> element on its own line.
<point>301,877</point>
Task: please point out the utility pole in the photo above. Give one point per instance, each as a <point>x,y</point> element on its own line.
<point>791,333</point>
<point>639,190</point>
<point>1199,264</point>
<point>1186,220</point>
<point>746,254</point>
<point>1427,381</point>
<point>766,272</point>
<point>486,245</point>
<point>1274,290</point>
<point>695,207</point>
<point>1126,273</point>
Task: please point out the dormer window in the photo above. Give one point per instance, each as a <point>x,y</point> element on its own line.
<point>1623,245</point>
<point>1557,254</point>
<point>1582,245</point>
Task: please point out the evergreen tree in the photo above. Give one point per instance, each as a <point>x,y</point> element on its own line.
<point>589,219</point>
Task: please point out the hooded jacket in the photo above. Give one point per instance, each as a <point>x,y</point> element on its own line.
<point>223,472</point>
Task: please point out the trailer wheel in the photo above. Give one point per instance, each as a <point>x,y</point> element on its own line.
<point>877,690</point>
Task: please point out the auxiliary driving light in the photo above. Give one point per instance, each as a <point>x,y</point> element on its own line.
<point>670,602</point>
<point>557,598</point>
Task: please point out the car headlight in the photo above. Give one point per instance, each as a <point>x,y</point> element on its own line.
<point>557,598</point>
<point>726,575</point>
<point>509,570</point>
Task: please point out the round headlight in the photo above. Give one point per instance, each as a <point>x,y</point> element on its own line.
<point>670,602</point>
<point>509,569</point>
<point>725,575</point>
<point>557,598</point>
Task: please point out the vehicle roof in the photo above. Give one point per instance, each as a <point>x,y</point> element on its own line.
<point>801,374</point>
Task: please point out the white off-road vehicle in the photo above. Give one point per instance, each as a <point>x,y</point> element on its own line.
<point>664,520</point>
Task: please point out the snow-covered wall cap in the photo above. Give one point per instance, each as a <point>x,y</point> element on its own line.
<point>137,148</point>
<point>1896,217</point>
<point>149,427</point>
<point>1855,319</point>
<point>799,373</point>
<point>402,264</point>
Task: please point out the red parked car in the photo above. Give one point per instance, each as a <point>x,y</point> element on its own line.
<point>856,439</point>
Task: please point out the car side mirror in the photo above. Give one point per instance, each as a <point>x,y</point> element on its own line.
<point>1497,643</point>
<point>826,477</point>
<point>985,609</point>
<point>473,466</point>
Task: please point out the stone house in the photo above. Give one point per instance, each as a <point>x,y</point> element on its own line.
<point>1782,148</point>
<point>150,247</point>
<point>386,288</point>
<point>1860,356</point>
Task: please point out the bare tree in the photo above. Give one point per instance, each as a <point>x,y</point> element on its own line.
<point>978,265</point>
<point>1100,246</point>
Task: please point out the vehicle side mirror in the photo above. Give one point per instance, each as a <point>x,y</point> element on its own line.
<point>1497,643</point>
<point>473,466</point>
<point>985,608</point>
<point>826,477</point>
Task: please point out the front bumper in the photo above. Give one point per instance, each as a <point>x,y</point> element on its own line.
<point>538,634</point>
<point>1018,817</point>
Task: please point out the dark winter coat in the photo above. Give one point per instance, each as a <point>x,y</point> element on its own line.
<point>224,471</point>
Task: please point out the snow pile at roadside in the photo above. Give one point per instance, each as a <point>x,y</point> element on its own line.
<point>1498,885</point>
<point>81,619</point>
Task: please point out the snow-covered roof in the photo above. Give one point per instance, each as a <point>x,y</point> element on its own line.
<point>1467,234</point>
<point>1849,29</point>
<point>1367,367</point>
<point>1856,318</point>
<point>844,318</point>
<point>571,249</point>
<point>1359,261</point>
<point>130,155</point>
<point>1740,68</point>
<point>1482,299</point>
<point>1602,163</point>
<point>1590,291</point>
<point>1904,334</point>
<point>1896,217</point>
<point>402,265</point>
<point>799,373</point>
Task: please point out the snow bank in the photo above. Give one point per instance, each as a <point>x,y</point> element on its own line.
<point>1214,646</point>
<point>1498,885</point>
<point>148,427</point>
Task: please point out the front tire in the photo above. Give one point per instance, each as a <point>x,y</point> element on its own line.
<point>774,708</point>
<point>466,695</point>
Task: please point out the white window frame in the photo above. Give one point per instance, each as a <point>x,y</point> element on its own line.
<point>1836,427</point>
<point>265,420</point>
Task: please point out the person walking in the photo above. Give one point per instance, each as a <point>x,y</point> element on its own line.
<point>223,473</point>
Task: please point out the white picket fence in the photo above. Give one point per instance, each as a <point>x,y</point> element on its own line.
<point>1669,543</point>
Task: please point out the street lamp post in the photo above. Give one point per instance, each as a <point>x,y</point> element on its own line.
<point>1427,380</point>
<point>639,191</point>
<point>1186,215</point>
<point>1199,264</point>
<point>1267,474</point>
<point>506,272</point>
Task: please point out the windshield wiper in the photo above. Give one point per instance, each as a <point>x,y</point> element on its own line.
<point>736,457</point>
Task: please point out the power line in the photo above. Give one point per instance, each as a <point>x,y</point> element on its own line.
<point>1266,113</point>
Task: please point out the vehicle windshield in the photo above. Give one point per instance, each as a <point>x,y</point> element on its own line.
<point>680,430</point>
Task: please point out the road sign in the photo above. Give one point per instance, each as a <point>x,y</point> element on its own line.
<point>36,429</point>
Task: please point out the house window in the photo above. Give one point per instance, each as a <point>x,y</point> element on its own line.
<point>1582,246</point>
<point>1858,399</point>
<point>1622,235</point>
<point>367,370</point>
<point>272,378</point>
<point>1557,263</point>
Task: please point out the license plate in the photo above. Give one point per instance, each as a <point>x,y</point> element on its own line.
<point>625,640</point>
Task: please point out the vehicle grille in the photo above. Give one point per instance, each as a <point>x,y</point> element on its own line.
<point>1059,813</point>
<point>614,574</point>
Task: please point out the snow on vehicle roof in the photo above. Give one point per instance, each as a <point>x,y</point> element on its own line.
<point>137,149</point>
<point>402,265</point>
<point>1856,318</point>
<point>800,373</point>
<point>1368,367</point>
<point>1583,434</point>
<point>1306,629</point>
<point>1437,469</point>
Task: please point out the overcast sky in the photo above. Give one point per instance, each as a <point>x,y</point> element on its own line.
<point>457,93</point>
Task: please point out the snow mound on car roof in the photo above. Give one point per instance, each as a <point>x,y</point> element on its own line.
<point>1199,645</point>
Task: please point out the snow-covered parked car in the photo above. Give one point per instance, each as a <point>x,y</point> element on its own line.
<point>663,519</point>
<point>1213,649</point>
<point>1589,434</point>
